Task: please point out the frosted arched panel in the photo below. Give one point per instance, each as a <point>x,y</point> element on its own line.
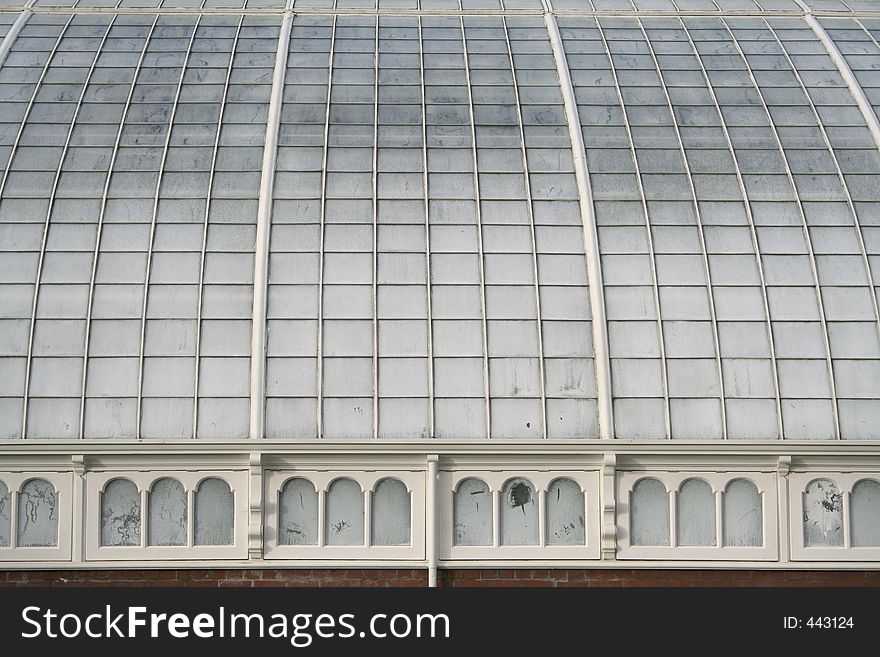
<point>696,513</point>
<point>565,513</point>
<point>214,513</point>
<point>472,513</point>
<point>345,513</point>
<point>519,513</point>
<point>167,513</point>
<point>37,514</point>
<point>298,513</point>
<point>5,516</point>
<point>864,504</point>
<point>120,514</point>
<point>649,513</point>
<point>823,515</point>
<point>743,516</point>
<point>390,519</point>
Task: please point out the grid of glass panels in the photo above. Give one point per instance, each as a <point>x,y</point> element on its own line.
<point>354,266</point>
<point>122,151</point>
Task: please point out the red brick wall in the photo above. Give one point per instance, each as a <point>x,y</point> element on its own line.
<point>455,578</point>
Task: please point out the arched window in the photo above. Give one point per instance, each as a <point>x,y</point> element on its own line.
<point>120,514</point>
<point>472,513</point>
<point>5,516</point>
<point>743,517</point>
<point>345,513</point>
<point>565,513</point>
<point>390,517</point>
<point>37,514</point>
<point>865,513</point>
<point>519,513</point>
<point>823,515</point>
<point>166,521</point>
<point>214,513</point>
<point>649,513</point>
<point>695,515</point>
<point>298,513</point>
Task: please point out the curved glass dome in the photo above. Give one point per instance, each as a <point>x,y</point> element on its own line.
<point>424,220</point>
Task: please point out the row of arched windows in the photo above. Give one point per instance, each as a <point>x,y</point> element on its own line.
<point>696,508</point>
<point>473,511</point>
<point>36,516</point>
<point>344,513</point>
<point>124,520</point>
<point>825,514</point>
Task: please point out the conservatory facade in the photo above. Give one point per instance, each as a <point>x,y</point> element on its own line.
<point>440,284</point>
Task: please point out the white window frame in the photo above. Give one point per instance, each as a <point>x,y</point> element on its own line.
<point>321,480</point>
<point>765,483</point>
<point>97,481</point>
<point>797,485</point>
<point>588,480</point>
<point>63,483</point>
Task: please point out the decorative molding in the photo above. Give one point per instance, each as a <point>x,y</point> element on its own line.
<point>255,506</point>
<point>609,507</point>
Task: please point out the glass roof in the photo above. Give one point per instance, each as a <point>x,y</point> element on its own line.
<point>428,233</point>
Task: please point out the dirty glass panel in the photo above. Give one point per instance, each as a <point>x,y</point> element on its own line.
<point>5,516</point>
<point>120,514</point>
<point>391,515</point>
<point>864,514</point>
<point>696,513</point>
<point>742,515</point>
<point>37,514</point>
<point>823,515</point>
<point>649,513</point>
<point>565,513</point>
<point>166,522</point>
<point>472,513</point>
<point>298,513</point>
<point>519,513</point>
<point>345,513</point>
<point>214,513</point>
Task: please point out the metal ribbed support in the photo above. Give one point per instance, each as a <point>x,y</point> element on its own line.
<point>261,255</point>
<point>591,236</point>
<point>12,34</point>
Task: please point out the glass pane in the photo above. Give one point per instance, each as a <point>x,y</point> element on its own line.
<point>167,513</point>
<point>565,513</point>
<point>519,513</point>
<point>120,513</point>
<point>649,513</point>
<point>37,514</point>
<point>298,513</point>
<point>472,513</point>
<point>864,510</point>
<point>823,515</point>
<point>390,520</point>
<point>5,516</point>
<point>696,513</point>
<point>743,515</point>
<point>345,513</point>
<point>214,513</point>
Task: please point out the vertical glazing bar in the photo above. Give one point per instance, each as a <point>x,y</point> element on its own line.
<point>664,376</point>
<point>774,369</point>
<point>847,74</point>
<point>375,183</point>
<point>319,365</point>
<point>529,210</point>
<point>160,173</point>
<point>803,216</point>
<point>478,211</point>
<point>42,256</point>
<point>700,232</point>
<point>838,171</point>
<point>426,210</point>
<point>204,251</point>
<point>602,359</point>
<point>64,148</point>
<point>102,212</point>
<point>261,253</point>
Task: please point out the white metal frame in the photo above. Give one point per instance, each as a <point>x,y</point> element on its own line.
<point>764,481</point>
<point>414,480</point>
<point>588,480</point>
<point>96,482</point>
<point>61,551</point>
<point>845,481</point>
